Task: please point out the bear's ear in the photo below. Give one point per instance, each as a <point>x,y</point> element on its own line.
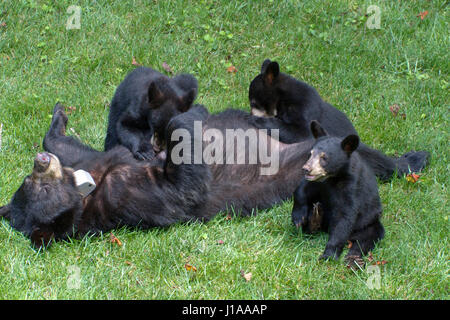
<point>41,238</point>
<point>154,92</point>
<point>317,130</point>
<point>187,100</point>
<point>264,65</point>
<point>350,143</point>
<point>4,211</point>
<point>271,72</point>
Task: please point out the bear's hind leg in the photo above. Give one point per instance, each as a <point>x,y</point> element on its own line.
<point>362,242</point>
<point>68,149</point>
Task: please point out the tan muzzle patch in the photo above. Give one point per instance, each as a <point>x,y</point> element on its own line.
<point>313,168</point>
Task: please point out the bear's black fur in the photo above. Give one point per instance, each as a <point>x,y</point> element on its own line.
<point>346,189</point>
<point>142,105</point>
<point>285,103</point>
<point>144,194</point>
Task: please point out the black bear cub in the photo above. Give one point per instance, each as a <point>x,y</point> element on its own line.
<point>345,189</point>
<point>282,102</point>
<point>142,106</point>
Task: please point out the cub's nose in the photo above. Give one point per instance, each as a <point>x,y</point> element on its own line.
<point>42,161</point>
<point>306,168</point>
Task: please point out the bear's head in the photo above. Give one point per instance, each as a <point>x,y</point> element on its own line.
<point>48,204</point>
<point>263,93</point>
<point>168,97</point>
<point>330,156</point>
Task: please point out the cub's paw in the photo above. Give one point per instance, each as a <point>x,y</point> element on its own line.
<point>354,262</point>
<point>300,217</point>
<point>417,160</point>
<point>329,254</point>
<point>59,111</point>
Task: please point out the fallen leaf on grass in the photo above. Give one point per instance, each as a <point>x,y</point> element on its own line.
<point>412,177</point>
<point>135,63</point>
<point>2,24</point>
<point>246,276</point>
<point>228,217</point>
<point>394,109</point>
<point>167,67</point>
<point>220,242</point>
<point>70,109</point>
<point>114,239</point>
<point>422,15</point>
<point>370,256</point>
<point>231,69</point>
<point>349,244</point>
<point>189,267</point>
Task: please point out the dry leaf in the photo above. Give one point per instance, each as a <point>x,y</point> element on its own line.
<point>2,24</point>
<point>167,67</point>
<point>349,244</point>
<point>231,69</point>
<point>114,239</point>
<point>188,267</point>
<point>394,109</point>
<point>412,177</point>
<point>220,242</point>
<point>246,276</point>
<point>383,262</point>
<point>228,217</point>
<point>370,256</point>
<point>134,62</point>
<point>422,15</point>
<point>70,109</point>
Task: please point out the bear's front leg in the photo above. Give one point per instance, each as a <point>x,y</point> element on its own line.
<point>341,227</point>
<point>300,210</point>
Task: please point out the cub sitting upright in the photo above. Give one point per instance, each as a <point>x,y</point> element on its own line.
<point>143,105</point>
<point>347,191</point>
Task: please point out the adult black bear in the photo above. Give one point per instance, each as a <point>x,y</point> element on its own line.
<point>142,106</point>
<point>145,194</point>
<point>293,104</point>
<point>347,191</point>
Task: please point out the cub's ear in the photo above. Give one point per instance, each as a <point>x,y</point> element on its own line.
<point>4,211</point>
<point>264,65</point>
<point>271,72</point>
<point>317,130</point>
<point>41,237</point>
<point>187,100</point>
<point>350,143</point>
<point>154,92</point>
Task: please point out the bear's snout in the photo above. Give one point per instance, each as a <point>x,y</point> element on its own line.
<point>42,161</point>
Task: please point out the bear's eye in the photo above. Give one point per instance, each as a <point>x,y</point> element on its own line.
<point>324,157</point>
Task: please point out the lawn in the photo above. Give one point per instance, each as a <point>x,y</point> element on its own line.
<point>360,70</point>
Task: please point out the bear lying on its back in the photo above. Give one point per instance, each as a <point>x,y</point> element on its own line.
<point>50,206</point>
<point>143,105</point>
<point>347,192</point>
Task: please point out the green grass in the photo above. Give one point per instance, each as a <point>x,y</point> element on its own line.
<point>359,70</point>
